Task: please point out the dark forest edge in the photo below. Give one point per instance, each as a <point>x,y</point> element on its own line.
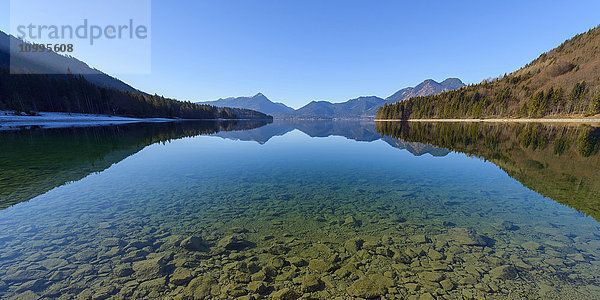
<point>562,83</point>
<point>31,93</point>
<point>559,162</point>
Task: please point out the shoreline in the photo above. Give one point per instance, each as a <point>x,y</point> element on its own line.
<point>8,121</point>
<point>578,120</point>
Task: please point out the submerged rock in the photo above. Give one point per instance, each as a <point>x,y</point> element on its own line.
<point>466,236</point>
<point>53,263</point>
<point>158,285</point>
<point>192,243</point>
<point>150,268</point>
<point>181,276</point>
<point>238,230</point>
<point>257,287</point>
<point>351,222</point>
<point>447,285</point>
<point>112,242</point>
<point>508,225</point>
<point>366,288</point>
<point>320,265</point>
<point>233,242</point>
<point>285,294</point>
<point>200,287</point>
<point>277,262</point>
<point>434,255</point>
<point>123,270</point>
<point>432,276</point>
<point>297,261</point>
<point>419,239</point>
<point>503,272</point>
<point>310,283</point>
<point>531,246</point>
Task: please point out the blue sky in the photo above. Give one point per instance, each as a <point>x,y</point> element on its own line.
<point>298,51</point>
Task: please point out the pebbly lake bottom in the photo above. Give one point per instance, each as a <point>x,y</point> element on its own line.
<point>305,217</point>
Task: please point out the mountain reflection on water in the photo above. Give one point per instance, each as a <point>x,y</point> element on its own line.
<point>361,131</point>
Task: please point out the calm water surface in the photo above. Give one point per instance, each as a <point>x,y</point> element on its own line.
<point>321,210</point>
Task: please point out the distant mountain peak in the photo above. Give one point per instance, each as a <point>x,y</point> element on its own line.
<point>452,80</point>
<point>425,88</point>
<point>258,102</point>
<point>452,83</point>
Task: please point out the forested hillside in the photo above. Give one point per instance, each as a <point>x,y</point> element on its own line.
<point>29,93</point>
<point>564,82</point>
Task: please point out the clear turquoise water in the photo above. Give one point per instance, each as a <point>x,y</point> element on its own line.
<point>296,192</point>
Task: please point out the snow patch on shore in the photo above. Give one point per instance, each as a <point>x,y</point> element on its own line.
<point>10,121</point>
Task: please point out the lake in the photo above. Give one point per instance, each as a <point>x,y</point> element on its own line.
<point>318,209</point>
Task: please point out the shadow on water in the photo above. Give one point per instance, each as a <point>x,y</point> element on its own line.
<point>36,160</point>
<point>561,162</point>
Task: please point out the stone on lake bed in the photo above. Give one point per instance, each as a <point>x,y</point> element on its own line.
<point>233,242</point>
<point>158,284</point>
<point>104,225</point>
<point>53,263</point>
<point>238,230</point>
<point>427,296</point>
<point>531,246</point>
<point>320,265</point>
<point>285,294</point>
<point>192,243</point>
<point>432,276</point>
<point>111,242</point>
<point>150,268</point>
<point>351,221</point>
<point>27,295</point>
<point>257,287</point>
<point>25,275</point>
<point>297,261</point>
<point>504,272</point>
<point>464,236</point>
<point>85,255</point>
<point>310,283</point>
<point>200,287</point>
<point>508,225</point>
<point>138,244</point>
<point>277,262</point>
<point>434,255</point>
<point>419,239</point>
<point>366,288</point>
<point>447,285</point>
<point>353,245</point>
<point>181,276</point>
<point>123,270</point>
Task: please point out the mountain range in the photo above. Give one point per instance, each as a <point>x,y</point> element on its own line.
<point>358,108</point>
